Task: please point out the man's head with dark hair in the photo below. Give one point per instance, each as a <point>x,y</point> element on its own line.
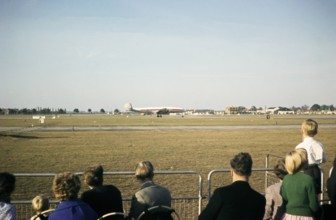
<point>93,176</point>
<point>241,164</point>
<point>7,186</point>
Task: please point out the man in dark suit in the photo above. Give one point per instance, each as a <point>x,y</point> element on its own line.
<point>331,184</point>
<point>102,198</point>
<point>237,201</point>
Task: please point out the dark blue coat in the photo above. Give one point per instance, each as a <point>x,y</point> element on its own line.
<point>74,209</point>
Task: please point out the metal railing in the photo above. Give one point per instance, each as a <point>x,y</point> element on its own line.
<point>184,205</point>
<point>226,170</point>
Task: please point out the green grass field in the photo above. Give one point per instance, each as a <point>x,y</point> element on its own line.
<point>197,150</point>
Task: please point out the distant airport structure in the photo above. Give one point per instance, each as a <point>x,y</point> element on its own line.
<point>279,111</point>
<point>159,111</point>
<point>270,111</point>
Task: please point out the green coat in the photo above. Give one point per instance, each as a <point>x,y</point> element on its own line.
<point>298,193</point>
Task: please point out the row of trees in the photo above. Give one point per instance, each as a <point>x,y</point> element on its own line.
<point>304,108</point>
<point>33,111</point>
<point>116,111</point>
<point>26,111</point>
<point>45,111</point>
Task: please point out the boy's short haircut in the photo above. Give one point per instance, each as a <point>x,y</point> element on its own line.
<point>93,175</point>
<point>242,164</point>
<point>310,127</point>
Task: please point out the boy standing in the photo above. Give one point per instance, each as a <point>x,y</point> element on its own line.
<point>315,151</point>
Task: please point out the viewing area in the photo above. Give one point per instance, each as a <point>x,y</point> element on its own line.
<point>186,188</point>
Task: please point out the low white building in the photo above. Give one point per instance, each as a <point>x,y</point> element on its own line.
<point>279,111</point>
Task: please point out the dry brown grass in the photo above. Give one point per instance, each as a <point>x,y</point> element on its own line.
<point>198,150</point>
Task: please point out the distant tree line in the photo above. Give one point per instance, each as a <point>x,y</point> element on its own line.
<point>27,111</point>
<point>102,111</point>
<point>304,108</point>
<point>33,111</point>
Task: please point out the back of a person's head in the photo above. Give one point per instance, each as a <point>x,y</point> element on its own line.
<point>144,171</point>
<point>7,186</point>
<point>280,169</point>
<point>242,164</point>
<point>40,203</point>
<point>293,162</point>
<point>93,175</point>
<point>66,186</point>
<point>310,127</point>
<point>304,158</point>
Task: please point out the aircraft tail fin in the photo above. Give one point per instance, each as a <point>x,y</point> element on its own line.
<point>128,107</point>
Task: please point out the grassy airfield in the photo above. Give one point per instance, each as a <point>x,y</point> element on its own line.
<point>136,120</point>
<point>199,150</point>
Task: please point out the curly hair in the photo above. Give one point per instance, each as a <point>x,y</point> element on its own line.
<point>66,186</point>
<point>242,164</point>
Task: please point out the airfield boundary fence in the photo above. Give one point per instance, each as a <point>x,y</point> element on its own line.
<point>188,207</point>
<point>270,177</point>
<point>227,170</point>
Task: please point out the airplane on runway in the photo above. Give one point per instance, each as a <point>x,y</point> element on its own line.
<point>159,111</point>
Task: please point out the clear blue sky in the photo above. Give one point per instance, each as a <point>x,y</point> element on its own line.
<point>185,53</point>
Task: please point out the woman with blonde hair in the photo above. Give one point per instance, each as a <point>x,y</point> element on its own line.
<point>298,189</point>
